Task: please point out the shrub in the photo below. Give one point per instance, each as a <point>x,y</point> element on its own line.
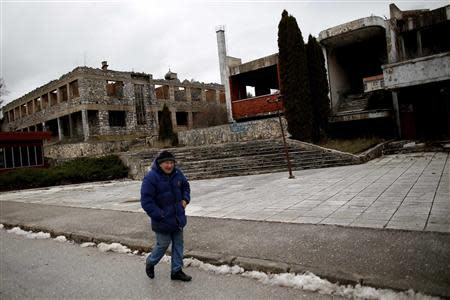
<point>75,171</point>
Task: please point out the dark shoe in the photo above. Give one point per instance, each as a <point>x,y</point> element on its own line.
<point>180,276</point>
<point>150,270</point>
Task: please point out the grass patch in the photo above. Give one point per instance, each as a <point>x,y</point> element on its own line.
<point>354,146</point>
<point>79,170</point>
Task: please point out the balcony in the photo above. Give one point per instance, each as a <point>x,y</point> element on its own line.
<point>255,107</point>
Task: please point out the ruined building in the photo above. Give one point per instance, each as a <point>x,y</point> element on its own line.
<point>390,76</point>
<point>87,102</point>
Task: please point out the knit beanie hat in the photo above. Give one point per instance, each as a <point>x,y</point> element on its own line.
<point>165,156</point>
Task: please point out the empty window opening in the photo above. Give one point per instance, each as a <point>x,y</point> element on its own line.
<point>180,93</point>
<point>210,95</point>
<point>196,94</point>
<point>182,118</point>
<point>53,97</point>
<point>45,102</point>
<point>24,110</point>
<point>30,107</point>
<point>139,104</point>
<point>274,91</point>
<point>117,118</point>
<point>63,93</point>
<point>73,90</point>
<point>162,92</point>
<point>249,91</point>
<point>114,88</point>
<point>37,104</point>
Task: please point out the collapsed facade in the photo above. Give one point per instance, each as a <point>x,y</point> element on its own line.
<point>387,76</point>
<point>86,103</point>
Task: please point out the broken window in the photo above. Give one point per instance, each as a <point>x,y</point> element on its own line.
<point>114,88</point>
<point>162,92</point>
<point>139,103</point>
<point>63,93</point>
<point>53,97</point>
<point>180,93</point>
<point>117,118</point>
<point>433,39</point>
<point>196,94</point>
<point>73,89</point>
<point>210,95</point>
<point>182,118</point>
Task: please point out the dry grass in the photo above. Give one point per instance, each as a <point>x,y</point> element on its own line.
<point>354,146</point>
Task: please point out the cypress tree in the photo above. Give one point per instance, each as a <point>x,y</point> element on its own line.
<point>294,85</point>
<point>319,88</point>
<point>165,125</point>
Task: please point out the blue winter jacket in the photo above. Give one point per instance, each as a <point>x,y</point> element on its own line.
<point>161,197</point>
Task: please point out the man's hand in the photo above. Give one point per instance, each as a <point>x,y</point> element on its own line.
<point>184,203</point>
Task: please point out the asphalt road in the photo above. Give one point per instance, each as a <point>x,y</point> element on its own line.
<point>47,269</point>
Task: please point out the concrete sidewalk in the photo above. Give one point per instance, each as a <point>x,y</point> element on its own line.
<point>406,191</point>
<point>381,258</point>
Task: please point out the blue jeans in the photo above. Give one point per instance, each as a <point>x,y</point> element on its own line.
<point>162,243</point>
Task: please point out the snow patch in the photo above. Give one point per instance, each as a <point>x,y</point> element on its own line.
<point>88,244</point>
<point>29,234</point>
<point>60,238</point>
<point>113,247</point>
<point>221,270</point>
<point>2,226</point>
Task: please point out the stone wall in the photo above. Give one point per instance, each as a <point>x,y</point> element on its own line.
<point>235,132</point>
<point>69,151</point>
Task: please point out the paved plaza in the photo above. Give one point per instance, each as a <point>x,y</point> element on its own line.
<point>405,191</point>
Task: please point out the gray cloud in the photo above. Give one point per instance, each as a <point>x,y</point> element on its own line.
<point>43,40</point>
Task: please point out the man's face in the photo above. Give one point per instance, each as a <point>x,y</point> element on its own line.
<point>167,166</point>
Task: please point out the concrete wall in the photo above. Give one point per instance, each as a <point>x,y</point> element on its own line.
<point>417,71</point>
<point>235,132</point>
<point>69,151</point>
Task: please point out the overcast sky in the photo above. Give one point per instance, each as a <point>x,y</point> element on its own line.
<point>42,40</point>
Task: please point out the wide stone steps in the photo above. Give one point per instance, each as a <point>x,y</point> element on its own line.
<point>244,158</point>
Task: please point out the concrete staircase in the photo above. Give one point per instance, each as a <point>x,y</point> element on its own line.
<point>242,158</point>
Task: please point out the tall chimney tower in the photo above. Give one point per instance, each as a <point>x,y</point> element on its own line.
<point>223,63</point>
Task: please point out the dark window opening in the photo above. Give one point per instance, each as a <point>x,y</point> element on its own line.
<point>410,44</point>
<point>210,95</point>
<point>253,83</point>
<point>114,88</point>
<point>63,93</point>
<point>182,118</point>
<point>434,41</point>
<point>117,118</point>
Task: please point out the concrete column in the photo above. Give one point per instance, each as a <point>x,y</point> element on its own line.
<point>217,96</point>
<point>203,96</point>
<point>188,94</point>
<point>43,127</point>
<point>60,132</point>
<point>70,126</point>
<point>396,113</point>
<point>224,72</point>
<point>68,92</point>
<point>173,114</point>
<point>58,95</point>
<point>85,122</point>
<point>190,120</point>
<point>49,98</point>
<point>171,93</point>
<point>34,105</point>
<point>419,43</point>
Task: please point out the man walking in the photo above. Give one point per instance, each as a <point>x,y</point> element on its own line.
<point>165,192</point>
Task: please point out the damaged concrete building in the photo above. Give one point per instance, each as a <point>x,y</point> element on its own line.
<point>385,76</point>
<point>87,102</point>
<point>394,71</point>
